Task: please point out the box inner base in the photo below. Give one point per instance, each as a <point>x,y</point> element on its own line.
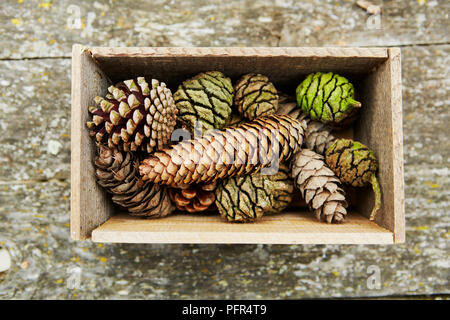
<point>284,228</point>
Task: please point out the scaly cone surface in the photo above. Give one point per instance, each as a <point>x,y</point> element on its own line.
<point>328,97</point>
<point>195,197</point>
<point>255,96</point>
<point>117,172</point>
<point>244,149</point>
<point>319,186</point>
<point>247,198</point>
<point>355,164</point>
<point>205,100</point>
<point>134,116</point>
<point>318,136</point>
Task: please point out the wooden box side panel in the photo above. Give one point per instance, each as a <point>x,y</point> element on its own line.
<point>174,65</point>
<point>90,205</point>
<point>380,127</point>
<point>286,228</point>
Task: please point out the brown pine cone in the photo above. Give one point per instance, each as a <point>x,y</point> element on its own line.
<point>255,96</point>
<point>318,136</point>
<point>234,151</point>
<point>117,172</point>
<point>319,186</point>
<point>134,116</point>
<point>195,197</point>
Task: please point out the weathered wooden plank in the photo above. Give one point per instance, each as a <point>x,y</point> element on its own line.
<point>34,228</point>
<point>90,205</point>
<point>38,28</point>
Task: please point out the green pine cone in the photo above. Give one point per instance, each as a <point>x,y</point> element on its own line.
<point>354,164</point>
<point>206,98</point>
<point>247,198</point>
<point>255,96</point>
<point>327,97</point>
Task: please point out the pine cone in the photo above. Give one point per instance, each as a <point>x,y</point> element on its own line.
<point>319,186</point>
<point>134,116</point>
<point>117,172</point>
<point>327,97</point>
<point>194,198</point>
<point>207,99</point>
<point>317,136</point>
<point>247,198</point>
<point>234,151</point>
<point>355,164</point>
<point>255,96</point>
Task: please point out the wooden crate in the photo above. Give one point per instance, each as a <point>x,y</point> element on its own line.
<point>377,77</point>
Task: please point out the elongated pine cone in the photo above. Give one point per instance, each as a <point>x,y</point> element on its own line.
<point>117,172</point>
<point>205,100</point>
<point>237,150</point>
<point>327,97</point>
<point>355,164</point>
<point>134,115</point>
<point>319,186</point>
<point>318,136</point>
<point>255,96</point>
<point>195,197</point>
<point>247,198</point>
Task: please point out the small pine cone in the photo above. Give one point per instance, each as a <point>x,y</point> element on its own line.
<point>255,96</point>
<point>328,98</point>
<point>319,186</point>
<point>195,197</point>
<point>205,100</point>
<point>134,116</point>
<point>355,164</point>
<point>117,172</point>
<point>318,135</point>
<point>239,150</point>
<point>247,198</point>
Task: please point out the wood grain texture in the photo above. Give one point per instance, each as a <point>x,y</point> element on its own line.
<point>285,228</point>
<point>89,204</point>
<point>31,29</point>
<point>397,140</point>
<point>381,96</point>
<point>179,63</point>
